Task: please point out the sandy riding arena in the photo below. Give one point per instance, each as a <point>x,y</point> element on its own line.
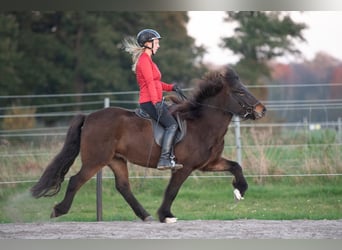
<point>198,229</point>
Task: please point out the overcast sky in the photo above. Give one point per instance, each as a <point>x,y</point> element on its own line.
<point>323,34</point>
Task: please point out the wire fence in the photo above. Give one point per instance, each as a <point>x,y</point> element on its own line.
<point>310,131</point>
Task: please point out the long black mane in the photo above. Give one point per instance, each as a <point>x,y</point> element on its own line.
<point>209,86</point>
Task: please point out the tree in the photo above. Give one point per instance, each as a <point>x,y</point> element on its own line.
<point>79,51</point>
<point>9,56</point>
<point>322,69</point>
<point>56,52</point>
<point>260,37</point>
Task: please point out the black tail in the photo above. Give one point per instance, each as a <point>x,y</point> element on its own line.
<point>50,182</point>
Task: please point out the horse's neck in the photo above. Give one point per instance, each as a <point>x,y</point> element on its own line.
<point>215,120</point>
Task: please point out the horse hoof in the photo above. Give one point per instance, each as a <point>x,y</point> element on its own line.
<point>237,195</point>
<point>148,219</point>
<point>170,220</point>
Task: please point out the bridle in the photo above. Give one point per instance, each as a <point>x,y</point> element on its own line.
<point>249,108</point>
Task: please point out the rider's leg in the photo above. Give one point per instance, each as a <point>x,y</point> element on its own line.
<point>171,126</point>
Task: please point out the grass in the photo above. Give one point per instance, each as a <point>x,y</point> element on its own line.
<point>265,152</point>
<point>199,199</point>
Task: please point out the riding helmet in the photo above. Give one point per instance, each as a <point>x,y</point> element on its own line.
<point>147,35</point>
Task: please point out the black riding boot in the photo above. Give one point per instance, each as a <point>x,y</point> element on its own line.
<point>165,159</point>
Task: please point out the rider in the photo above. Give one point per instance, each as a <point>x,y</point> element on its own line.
<point>151,87</point>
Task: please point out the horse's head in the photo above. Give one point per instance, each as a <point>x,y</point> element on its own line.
<point>241,102</point>
<point>224,92</point>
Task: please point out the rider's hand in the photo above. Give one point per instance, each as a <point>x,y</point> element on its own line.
<point>179,91</point>
<point>176,88</point>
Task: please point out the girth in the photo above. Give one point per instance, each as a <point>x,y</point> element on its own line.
<point>158,130</point>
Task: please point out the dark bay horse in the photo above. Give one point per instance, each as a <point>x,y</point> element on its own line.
<point>114,136</point>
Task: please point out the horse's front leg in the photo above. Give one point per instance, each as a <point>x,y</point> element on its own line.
<point>239,181</point>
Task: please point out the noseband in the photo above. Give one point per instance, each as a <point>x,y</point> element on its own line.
<point>249,109</point>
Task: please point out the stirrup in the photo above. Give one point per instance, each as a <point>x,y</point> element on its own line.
<point>168,164</point>
<point>176,166</point>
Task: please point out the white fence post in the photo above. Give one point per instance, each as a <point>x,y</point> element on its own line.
<point>99,181</point>
<point>236,121</point>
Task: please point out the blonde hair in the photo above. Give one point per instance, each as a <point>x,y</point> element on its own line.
<point>132,47</point>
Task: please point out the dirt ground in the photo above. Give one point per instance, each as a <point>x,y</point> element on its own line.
<point>198,229</point>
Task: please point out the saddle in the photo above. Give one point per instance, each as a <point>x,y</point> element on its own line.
<point>158,130</point>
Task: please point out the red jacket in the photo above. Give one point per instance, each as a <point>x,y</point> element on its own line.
<point>149,80</point>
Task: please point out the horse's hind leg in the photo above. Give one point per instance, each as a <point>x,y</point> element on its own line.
<point>119,168</point>
<point>75,183</point>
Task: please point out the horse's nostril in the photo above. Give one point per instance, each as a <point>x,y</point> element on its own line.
<point>260,109</point>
